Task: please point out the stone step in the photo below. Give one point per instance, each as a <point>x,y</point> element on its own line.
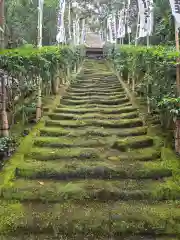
<point>93,84</point>
<point>111,110</point>
<point>95,94</point>
<point>136,154</point>
<point>96,106</point>
<point>95,97</point>
<point>133,142</point>
<point>87,169</point>
<point>98,101</point>
<point>123,123</point>
<point>25,236</point>
<point>45,154</point>
<point>87,86</point>
<point>95,90</point>
<point>90,190</point>
<point>71,142</point>
<point>71,116</point>
<point>52,153</point>
<point>92,131</point>
<point>94,219</point>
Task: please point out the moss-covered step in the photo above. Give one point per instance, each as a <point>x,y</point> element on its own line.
<point>95,91</point>
<point>90,190</point>
<point>45,154</point>
<point>123,123</point>
<point>11,212</point>
<point>26,236</point>
<point>95,97</point>
<point>102,78</point>
<point>149,237</point>
<point>74,169</point>
<point>141,154</point>
<point>96,106</point>
<point>98,101</point>
<point>95,219</point>
<point>133,142</point>
<point>102,116</point>
<point>110,110</point>
<point>54,236</point>
<point>103,75</point>
<point>92,131</point>
<point>71,142</point>
<point>97,84</point>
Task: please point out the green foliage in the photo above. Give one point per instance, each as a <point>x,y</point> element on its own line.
<point>172,105</point>
<point>7,143</point>
<point>25,65</point>
<point>21,22</point>
<point>152,68</point>
<point>37,61</point>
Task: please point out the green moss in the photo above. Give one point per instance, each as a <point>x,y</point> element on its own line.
<point>83,236</point>
<point>101,116</point>
<point>54,236</point>
<point>102,96</point>
<point>101,218</point>
<point>96,87</point>
<point>128,104</point>
<point>95,83</point>
<point>56,132</point>
<point>91,101</point>
<point>93,169</point>
<point>45,154</point>
<point>94,94</point>
<point>92,131</point>
<point>123,123</point>
<point>150,237</point>
<point>8,172</point>
<point>133,142</point>
<point>97,90</point>
<point>89,190</point>
<point>117,110</point>
<point>61,142</point>
<point>144,154</point>
<point>73,164</point>
<point>11,214</point>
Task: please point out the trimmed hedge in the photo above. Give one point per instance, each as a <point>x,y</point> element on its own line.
<point>22,69</point>
<point>26,65</point>
<point>150,72</point>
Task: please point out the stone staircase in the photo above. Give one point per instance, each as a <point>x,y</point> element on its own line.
<point>94,53</point>
<point>93,172</point>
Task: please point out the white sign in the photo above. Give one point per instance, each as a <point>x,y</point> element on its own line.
<point>60,25</point>
<point>175,6</point>
<point>40,20</point>
<point>145,17</point>
<point>121,25</point>
<point>109,20</point>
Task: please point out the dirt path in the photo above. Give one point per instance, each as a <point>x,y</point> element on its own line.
<point>93,173</point>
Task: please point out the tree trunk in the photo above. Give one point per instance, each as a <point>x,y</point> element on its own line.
<point>39,101</point>
<point>4,118</point>
<point>2,24</point>
<point>133,84</point>
<point>55,84</point>
<point>68,74</point>
<point>75,69</point>
<point>177,136</point>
